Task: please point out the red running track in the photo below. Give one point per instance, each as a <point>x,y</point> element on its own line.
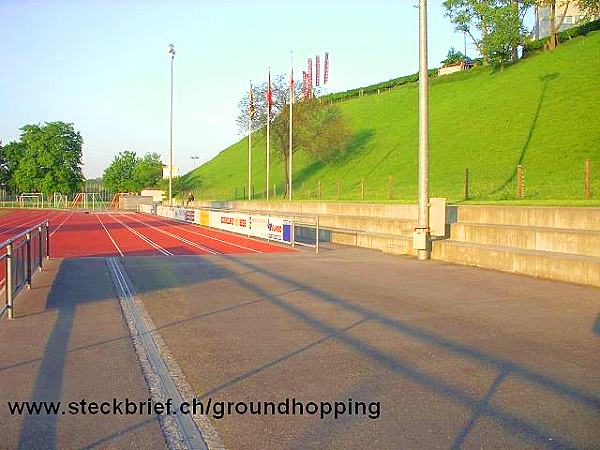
<point>79,234</point>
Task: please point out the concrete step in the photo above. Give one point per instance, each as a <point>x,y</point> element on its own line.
<point>398,245</point>
<point>552,265</point>
<point>402,227</point>
<point>577,242</point>
<point>535,216</point>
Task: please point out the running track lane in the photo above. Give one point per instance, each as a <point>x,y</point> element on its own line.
<point>77,234</point>
<point>218,240</point>
<point>171,243</point>
<point>80,235</point>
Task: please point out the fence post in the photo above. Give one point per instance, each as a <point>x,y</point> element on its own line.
<point>40,248</point>
<point>391,194</point>
<point>293,231</point>
<point>466,184</point>
<point>520,181</point>
<point>362,188</point>
<point>587,178</point>
<point>47,240</point>
<point>9,281</point>
<point>28,258</point>
<point>317,236</point>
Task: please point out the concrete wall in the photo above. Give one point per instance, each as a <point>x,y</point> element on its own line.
<point>550,242</point>
<point>538,216</point>
<point>380,210</point>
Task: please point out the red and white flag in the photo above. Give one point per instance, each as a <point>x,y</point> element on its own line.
<point>269,95</point>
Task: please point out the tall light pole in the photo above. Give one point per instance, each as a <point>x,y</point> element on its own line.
<point>421,237</point>
<point>172,53</point>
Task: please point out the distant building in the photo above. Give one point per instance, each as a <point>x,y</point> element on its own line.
<point>573,16</point>
<point>454,67</point>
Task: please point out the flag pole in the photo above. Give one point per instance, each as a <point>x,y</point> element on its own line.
<point>291,118</point>
<point>268,128</point>
<point>250,106</point>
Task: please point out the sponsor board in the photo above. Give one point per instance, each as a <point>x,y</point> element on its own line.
<point>256,225</point>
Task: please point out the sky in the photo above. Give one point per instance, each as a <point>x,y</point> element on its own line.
<point>103,64</point>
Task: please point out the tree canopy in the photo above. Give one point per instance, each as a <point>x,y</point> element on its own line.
<point>318,128</point>
<point>130,173</point>
<point>494,26</point>
<point>46,159</point>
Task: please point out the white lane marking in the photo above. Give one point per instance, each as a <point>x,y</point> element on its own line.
<point>156,371</point>
<point>109,236</point>
<point>216,239</point>
<point>61,224</point>
<point>161,249</point>
<point>31,220</point>
<point>182,239</point>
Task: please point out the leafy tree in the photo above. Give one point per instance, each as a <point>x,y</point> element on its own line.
<point>280,89</point>
<point>148,170</point>
<point>49,159</point>
<point>119,176</point>
<point>591,8</point>
<point>319,128</point>
<point>10,155</point>
<point>495,26</point>
<point>453,56</point>
<point>128,173</point>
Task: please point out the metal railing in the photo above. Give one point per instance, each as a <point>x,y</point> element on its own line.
<point>24,254</point>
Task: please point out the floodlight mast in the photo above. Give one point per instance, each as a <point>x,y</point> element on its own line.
<point>422,229</point>
<point>172,53</point>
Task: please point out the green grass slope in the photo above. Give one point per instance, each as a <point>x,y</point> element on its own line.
<point>542,113</point>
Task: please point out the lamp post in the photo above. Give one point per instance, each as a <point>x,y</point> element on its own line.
<point>421,236</point>
<point>172,53</point>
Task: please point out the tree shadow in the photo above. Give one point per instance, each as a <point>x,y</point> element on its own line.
<point>545,81</point>
<point>355,146</point>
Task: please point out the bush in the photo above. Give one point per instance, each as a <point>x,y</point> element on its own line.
<point>535,46</point>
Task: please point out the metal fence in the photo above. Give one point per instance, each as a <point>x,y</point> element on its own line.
<point>23,254</point>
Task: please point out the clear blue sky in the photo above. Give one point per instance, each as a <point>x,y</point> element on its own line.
<point>103,64</point>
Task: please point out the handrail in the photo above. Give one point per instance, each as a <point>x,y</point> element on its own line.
<point>20,261</point>
<point>45,223</point>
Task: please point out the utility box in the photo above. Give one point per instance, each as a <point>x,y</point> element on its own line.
<point>420,239</point>
<point>437,217</point>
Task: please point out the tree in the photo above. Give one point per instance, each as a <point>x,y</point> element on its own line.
<point>318,128</point>
<point>10,155</point>
<point>119,176</point>
<point>148,170</point>
<point>453,56</point>
<point>49,159</point>
<point>129,173</point>
<point>591,8</point>
<point>495,26</point>
<point>280,89</point>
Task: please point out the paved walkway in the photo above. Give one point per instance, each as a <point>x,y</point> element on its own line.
<point>69,342</point>
<point>458,357</point>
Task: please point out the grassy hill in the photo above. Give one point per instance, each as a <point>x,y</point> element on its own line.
<point>542,113</point>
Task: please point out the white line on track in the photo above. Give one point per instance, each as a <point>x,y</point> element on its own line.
<point>214,238</point>
<point>161,249</point>
<point>109,236</point>
<point>182,239</point>
<point>25,221</point>
<point>61,224</point>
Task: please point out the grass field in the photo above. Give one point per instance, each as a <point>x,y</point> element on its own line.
<point>541,113</point>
